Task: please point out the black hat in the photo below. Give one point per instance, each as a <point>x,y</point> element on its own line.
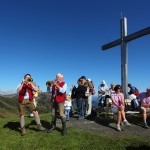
<point>83,77</point>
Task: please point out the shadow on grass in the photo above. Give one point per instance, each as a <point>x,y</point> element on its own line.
<point>13,126</point>
<point>16,125</point>
<point>143,147</point>
<point>44,123</point>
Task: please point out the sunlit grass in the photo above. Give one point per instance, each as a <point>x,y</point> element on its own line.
<point>76,139</point>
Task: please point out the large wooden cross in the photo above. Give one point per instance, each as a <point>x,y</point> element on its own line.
<point>124,39</point>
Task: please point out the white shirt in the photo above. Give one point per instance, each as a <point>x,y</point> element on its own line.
<point>132,96</point>
<point>67,104</point>
<point>104,88</point>
<point>26,94</point>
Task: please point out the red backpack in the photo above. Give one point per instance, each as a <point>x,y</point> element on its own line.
<point>93,91</point>
<point>136,92</point>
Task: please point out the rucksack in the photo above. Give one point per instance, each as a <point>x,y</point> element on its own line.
<point>135,104</point>
<point>136,92</point>
<point>93,91</point>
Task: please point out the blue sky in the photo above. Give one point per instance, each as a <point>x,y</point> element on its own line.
<point>45,37</point>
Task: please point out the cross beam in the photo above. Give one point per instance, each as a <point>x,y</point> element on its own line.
<point>128,38</point>
<point>124,52</point>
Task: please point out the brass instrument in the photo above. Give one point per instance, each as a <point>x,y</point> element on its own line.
<point>49,83</point>
<point>29,80</point>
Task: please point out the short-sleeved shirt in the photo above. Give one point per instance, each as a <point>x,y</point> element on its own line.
<point>144,98</point>
<point>118,98</point>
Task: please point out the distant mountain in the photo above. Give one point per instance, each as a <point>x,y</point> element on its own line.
<point>10,95</point>
<point>7,92</point>
<point>9,104</point>
<point>94,101</point>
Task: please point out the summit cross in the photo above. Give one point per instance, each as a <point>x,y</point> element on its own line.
<point>123,41</point>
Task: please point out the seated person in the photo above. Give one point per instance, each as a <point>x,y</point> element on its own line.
<point>133,90</point>
<point>135,103</point>
<point>145,104</point>
<point>111,89</point>
<point>118,106</point>
<point>103,92</point>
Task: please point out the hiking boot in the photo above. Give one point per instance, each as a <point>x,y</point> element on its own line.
<point>64,131</point>
<point>146,125</point>
<point>22,131</point>
<point>40,128</point>
<point>118,128</point>
<point>51,129</point>
<point>127,124</point>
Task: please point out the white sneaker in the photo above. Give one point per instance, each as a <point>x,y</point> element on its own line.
<point>118,128</point>
<point>31,115</point>
<point>127,124</point>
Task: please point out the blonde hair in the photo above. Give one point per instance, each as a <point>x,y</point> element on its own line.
<point>68,97</point>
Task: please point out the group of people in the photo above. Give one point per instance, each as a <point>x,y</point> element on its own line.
<point>27,90</point>
<point>117,105</point>
<point>83,96</point>
<point>139,101</point>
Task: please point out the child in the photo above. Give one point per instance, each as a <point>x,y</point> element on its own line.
<point>67,106</point>
<point>35,96</point>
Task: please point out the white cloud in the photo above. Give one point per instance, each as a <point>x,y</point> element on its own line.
<point>7,92</point>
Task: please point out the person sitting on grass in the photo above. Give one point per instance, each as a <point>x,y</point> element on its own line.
<point>145,104</point>
<point>118,106</point>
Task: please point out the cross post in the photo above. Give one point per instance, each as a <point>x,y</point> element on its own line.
<point>124,50</point>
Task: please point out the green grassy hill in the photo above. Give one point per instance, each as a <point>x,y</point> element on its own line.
<point>9,104</point>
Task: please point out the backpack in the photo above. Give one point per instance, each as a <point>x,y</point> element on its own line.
<point>136,92</point>
<point>93,91</point>
<point>135,104</point>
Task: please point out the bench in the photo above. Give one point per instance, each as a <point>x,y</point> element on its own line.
<point>127,108</point>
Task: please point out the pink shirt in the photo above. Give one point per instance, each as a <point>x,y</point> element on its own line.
<point>117,98</point>
<point>144,98</point>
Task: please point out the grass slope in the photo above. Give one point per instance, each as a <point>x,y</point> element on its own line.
<point>9,104</point>
<point>76,139</point>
